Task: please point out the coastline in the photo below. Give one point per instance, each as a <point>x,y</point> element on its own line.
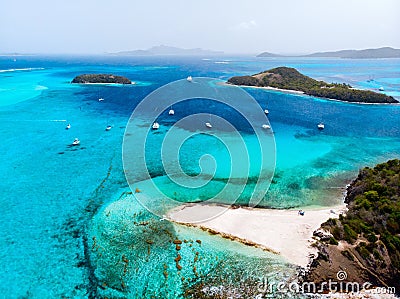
<point>297,92</point>
<point>282,232</point>
<point>289,91</point>
<point>118,84</point>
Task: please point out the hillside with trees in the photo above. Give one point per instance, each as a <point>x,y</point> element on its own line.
<point>366,240</point>
<point>291,79</point>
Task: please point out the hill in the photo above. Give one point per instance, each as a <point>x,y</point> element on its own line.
<point>385,52</point>
<point>101,78</point>
<point>168,50</point>
<point>291,79</point>
<point>268,54</point>
<point>366,241</point>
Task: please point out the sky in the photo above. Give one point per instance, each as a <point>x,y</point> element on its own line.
<point>246,26</point>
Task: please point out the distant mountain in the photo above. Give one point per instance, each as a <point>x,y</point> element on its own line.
<point>268,54</point>
<point>385,52</point>
<point>168,50</point>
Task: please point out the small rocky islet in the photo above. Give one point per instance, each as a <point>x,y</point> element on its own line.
<point>101,79</point>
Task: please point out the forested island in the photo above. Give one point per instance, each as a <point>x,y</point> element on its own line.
<point>101,78</point>
<point>366,241</point>
<point>291,79</point>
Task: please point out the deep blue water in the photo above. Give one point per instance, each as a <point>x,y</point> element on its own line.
<point>57,199</point>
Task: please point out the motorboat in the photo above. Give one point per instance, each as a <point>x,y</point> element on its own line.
<point>108,128</point>
<point>321,126</point>
<point>381,88</point>
<point>266,111</point>
<point>68,127</point>
<point>171,111</point>
<point>101,100</point>
<point>189,79</point>
<point>208,125</point>
<point>155,126</point>
<point>76,141</point>
<point>265,126</point>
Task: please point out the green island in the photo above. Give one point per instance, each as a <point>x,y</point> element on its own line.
<point>365,242</point>
<point>291,79</point>
<point>101,78</point>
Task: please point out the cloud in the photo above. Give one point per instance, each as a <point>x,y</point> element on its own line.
<point>246,25</point>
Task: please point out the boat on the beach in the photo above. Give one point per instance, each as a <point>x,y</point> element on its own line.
<point>108,128</point>
<point>321,126</point>
<point>189,79</point>
<point>155,126</point>
<point>68,127</point>
<point>76,141</point>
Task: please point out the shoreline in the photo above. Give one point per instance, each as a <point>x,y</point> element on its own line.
<point>282,232</point>
<point>289,91</point>
<point>297,92</point>
<point>119,84</point>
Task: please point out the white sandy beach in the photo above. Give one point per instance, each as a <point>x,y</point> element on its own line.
<point>290,91</point>
<point>283,232</point>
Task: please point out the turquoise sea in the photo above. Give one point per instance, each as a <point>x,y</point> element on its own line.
<point>72,228</point>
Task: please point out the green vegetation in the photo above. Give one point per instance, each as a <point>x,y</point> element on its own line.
<point>372,222</point>
<point>290,78</point>
<point>101,78</point>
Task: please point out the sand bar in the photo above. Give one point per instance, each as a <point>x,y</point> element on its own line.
<point>284,232</point>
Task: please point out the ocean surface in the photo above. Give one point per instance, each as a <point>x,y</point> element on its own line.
<point>72,228</point>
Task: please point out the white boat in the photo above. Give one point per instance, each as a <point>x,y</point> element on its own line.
<point>101,99</point>
<point>266,111</point>
<point>208,124</point>
<point>189,79</point>
<point>171,111</point>
<point>381,88</point>
<point>321,126</point>
<point>155,126</point>
<point>68,127</point>
<point>76,142</point>
<point>108,128</point>
<point>265,126</point>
